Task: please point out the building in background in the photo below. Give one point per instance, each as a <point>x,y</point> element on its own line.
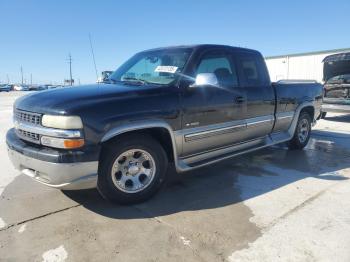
<point>306,66</point>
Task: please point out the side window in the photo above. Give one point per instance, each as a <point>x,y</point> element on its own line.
<point>253,70</point>
<point>221,65</point>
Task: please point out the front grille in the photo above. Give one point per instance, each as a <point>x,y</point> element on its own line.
<point>29,136</point>
<point>27,117</point>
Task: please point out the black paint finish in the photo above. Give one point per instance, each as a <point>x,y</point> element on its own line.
<point>103,107</point>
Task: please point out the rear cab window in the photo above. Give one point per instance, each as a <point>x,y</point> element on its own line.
<point>253,71</point>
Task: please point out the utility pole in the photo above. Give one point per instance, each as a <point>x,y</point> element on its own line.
<point>22,74</point>
<point>31,79</point>
<point>70,69</point>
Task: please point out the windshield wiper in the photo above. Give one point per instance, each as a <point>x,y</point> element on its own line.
<point>134,79</point>
<point>111,81</point>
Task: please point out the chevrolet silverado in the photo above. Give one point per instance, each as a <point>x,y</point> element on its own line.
<point>187,105</point>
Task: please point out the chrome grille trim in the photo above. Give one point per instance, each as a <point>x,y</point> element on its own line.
<point>28,127</point>
<point>28,136</point>
<point>47,131</point>
<point>27,117</point>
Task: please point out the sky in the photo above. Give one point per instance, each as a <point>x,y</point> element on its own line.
<point>39,35</point>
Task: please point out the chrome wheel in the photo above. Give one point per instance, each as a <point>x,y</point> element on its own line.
<point>303,130</point>
<point>133,170</point>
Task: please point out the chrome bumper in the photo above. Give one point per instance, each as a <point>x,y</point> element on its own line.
<point>68,176</point>
<point>335,108</point>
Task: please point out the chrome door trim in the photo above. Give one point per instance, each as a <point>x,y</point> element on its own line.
<point>284,115</point>
<point>228,127</point>
<point>260,120</point>
<point>213,132</point>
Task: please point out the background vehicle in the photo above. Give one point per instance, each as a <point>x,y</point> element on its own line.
<point>34,88</point>
<point>5,88</point>
<point>191,105</point>
<point>21,88</point>
<point>336,74</point>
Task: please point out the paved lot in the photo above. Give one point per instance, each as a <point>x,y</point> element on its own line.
<point>271,205</point>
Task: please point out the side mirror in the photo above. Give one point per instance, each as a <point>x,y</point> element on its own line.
<point>205,79</point>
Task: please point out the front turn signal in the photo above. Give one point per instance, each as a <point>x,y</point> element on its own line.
<point>73,143</point>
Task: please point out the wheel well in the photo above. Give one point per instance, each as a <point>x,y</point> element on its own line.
<point>310,110</point>
<point>160,134</point>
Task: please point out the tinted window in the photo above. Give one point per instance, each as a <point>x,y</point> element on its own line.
<point>253,70</point>
<point>219,64</point>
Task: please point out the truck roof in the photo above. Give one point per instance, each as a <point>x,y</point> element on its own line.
<point>204,46</point>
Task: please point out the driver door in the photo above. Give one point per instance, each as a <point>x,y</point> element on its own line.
<point>213,116</point>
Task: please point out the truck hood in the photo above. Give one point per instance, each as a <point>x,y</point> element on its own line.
<point>65,100</point>
<point>335,65</point>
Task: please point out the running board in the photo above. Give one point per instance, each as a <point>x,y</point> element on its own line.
<point>207,158</point>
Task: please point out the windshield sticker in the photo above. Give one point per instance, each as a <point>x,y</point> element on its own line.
<point>166,69</point>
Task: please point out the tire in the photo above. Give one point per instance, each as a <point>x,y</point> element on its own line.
<point>302,132</point>
<point>132,169</point>
<point>323,115</point>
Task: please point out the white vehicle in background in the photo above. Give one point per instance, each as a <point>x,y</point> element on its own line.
<point>21,88</point>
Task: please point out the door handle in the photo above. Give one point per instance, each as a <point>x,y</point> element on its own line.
<point>239,99</point>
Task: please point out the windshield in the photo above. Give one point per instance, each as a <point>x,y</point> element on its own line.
<point>153,67</point>
<point>339,79</point>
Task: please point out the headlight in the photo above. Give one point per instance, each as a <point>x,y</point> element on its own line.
<point>62,122</point>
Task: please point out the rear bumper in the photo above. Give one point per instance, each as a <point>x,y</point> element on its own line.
<point>335,108</point>
<point>50,167</point>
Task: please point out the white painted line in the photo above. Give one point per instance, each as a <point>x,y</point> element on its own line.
<point>2,223</point>
<point>55,255</point>
<point>22,228</point>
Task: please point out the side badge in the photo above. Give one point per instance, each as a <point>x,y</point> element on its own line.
<point>192,124</point>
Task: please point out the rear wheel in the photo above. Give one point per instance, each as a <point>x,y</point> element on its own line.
<point>132,169</point>
<point>302,132</point>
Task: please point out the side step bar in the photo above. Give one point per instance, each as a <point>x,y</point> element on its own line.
<point>207,158</point>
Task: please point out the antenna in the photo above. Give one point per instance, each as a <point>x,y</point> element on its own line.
<point>93,57</point>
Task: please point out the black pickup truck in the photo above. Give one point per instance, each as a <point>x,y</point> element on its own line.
<point>190,105</point>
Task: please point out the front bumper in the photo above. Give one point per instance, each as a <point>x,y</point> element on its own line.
<point>48,168</point>
<point>335,108</point>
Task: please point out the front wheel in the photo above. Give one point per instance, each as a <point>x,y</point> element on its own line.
<point>302,132</point>
<point>132,169</point>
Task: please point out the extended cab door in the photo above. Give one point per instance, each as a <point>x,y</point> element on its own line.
<point>254,79</point>
<point>213,116</point>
